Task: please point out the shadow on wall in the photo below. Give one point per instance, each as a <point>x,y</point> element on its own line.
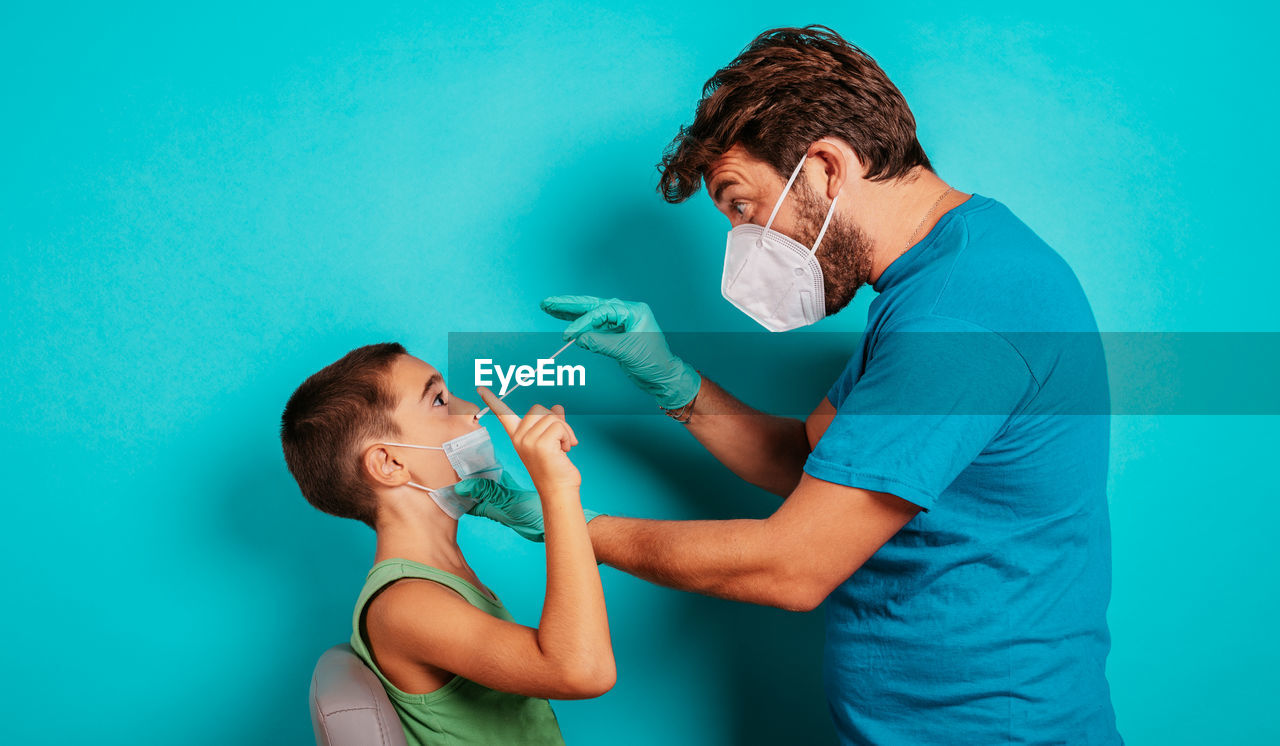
<point>629,244</point>
<point>768,661</point>
<point>315,564</point>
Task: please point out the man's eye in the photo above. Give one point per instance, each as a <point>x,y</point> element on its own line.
<point>439,401</point>
<point>739,207</point>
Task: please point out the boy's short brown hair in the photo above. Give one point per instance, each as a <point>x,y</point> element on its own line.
<point>327,420</point>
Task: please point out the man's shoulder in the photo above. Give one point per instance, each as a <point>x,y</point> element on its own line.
<point>1004,277</point>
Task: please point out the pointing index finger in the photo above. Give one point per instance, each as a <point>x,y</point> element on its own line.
<point>510,420</point>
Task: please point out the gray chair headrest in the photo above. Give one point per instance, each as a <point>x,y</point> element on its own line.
<point>349,707</point>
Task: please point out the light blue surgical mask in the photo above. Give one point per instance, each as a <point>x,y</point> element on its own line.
<point>471,456</point>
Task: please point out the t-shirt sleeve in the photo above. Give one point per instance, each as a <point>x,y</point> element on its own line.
<point>933,394</point>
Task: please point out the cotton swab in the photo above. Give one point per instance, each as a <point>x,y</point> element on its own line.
<point>484,411</point>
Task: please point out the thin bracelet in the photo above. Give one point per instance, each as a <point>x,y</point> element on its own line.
<point>683,413</point>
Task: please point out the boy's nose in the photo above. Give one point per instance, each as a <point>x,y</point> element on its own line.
<point>460,406</point>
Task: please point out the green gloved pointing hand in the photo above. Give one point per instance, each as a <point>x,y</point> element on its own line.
<point>627,332</point>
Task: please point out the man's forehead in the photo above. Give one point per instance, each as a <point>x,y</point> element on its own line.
<point>735,158</point>
<point>737,165</point>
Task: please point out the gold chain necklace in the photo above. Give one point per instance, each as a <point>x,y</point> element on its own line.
<point>911,241</point>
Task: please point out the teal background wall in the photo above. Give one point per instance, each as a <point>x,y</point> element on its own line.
<point>202,205</point>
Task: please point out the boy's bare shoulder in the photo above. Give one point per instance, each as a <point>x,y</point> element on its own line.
<point>408,623</point>
<point>413,601</point>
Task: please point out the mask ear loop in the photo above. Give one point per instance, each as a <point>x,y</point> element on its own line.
<point>830,211</point>
<point>438,502</point>
<point>785,190</point>
<point>410,445</point>
<point>778,205</point>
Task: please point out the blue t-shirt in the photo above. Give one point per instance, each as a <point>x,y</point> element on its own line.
<point>978,392</point>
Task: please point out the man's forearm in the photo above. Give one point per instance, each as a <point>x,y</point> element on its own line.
<point>737,559</point>
<point>763,449</point>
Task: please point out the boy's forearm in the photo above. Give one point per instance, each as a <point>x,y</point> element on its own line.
<point>735,559</point>
<point>763,449</point>
<point>574,629</point>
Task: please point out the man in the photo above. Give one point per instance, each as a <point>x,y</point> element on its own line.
<point>947,496</point>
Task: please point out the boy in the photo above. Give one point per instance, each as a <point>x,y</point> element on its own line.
<point>376,436</point>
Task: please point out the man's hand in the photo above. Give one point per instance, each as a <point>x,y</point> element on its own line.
<point>507,503</point>
<point>510,504</point>
<point>542,439</point>
<point>627,332</point>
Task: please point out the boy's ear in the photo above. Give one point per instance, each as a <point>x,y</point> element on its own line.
<point>381,466</point>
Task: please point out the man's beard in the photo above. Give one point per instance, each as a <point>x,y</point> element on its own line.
<point>845,253</point>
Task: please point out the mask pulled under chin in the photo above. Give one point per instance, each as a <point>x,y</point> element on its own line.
<point>472,457</point>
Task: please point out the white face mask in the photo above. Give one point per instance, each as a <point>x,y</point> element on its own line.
<point>772,278</point>
<point>470,455</point>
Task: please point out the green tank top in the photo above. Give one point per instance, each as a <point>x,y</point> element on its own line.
<point>461,711</point>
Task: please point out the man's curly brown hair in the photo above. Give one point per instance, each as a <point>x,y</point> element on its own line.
<point>789,88</point>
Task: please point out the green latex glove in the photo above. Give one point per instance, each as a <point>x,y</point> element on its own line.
<point>508,503</point>
<point>627,332</point>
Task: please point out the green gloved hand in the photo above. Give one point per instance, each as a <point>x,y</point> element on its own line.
<point>627,332</point>
<point>508,503</point>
